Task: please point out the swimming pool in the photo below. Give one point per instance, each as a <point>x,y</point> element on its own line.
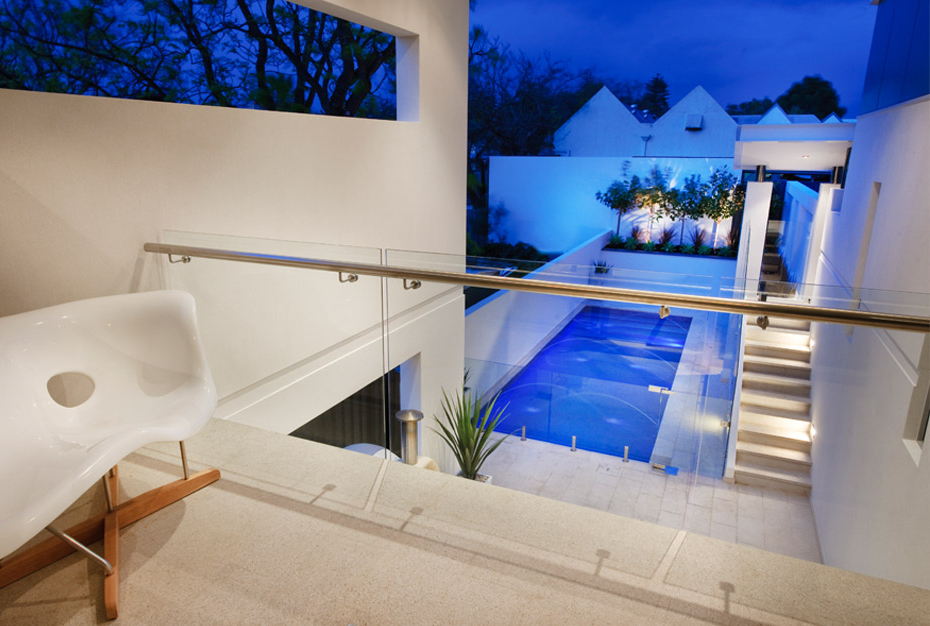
<point>599,380</point>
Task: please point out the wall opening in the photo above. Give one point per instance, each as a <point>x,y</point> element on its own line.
<point>276,56</point>
<point>364,417</point>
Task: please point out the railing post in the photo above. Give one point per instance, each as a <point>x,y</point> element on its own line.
<point>409,439</point>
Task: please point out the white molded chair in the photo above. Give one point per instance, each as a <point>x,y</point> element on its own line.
<point>82,385</point>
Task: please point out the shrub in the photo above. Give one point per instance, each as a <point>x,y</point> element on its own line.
<point>687,249</point>
<point>705,249</point>
<point>668,247</point>
<point>630,243</point>
<point>665,236</point>
<point>649,246</point>
<point>616,241</point>
<point>698,237</point>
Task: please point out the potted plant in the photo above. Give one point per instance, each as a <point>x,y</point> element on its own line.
<point>601,267</point>
<point>466,429</point>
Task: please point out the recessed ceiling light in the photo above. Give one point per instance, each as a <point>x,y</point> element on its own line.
<point>805,156</point>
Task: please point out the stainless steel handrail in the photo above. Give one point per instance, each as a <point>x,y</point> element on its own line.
<point>893,321</point>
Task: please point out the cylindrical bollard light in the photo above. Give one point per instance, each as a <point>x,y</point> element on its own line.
<point>408,441</point>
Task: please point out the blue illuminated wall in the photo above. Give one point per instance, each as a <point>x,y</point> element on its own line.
<point>899,62</point>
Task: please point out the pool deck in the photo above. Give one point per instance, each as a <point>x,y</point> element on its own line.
<point>769,519</point>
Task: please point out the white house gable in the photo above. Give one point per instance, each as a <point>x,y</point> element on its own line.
<point>697,126</point>
<point>602,127</point>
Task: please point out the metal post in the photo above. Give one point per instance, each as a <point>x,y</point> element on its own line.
<point>760,173</point>
<point>408,441</point>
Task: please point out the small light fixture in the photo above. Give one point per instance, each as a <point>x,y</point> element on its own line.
<point>805,156</point>
<point>813,432</point>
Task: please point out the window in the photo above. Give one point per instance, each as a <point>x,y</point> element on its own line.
<point>257,55</point>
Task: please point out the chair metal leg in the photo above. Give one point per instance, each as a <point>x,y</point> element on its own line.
<point>187,473</point>
<point>80,547</point>
<point>107,492</point>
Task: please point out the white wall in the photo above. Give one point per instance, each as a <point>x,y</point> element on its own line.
<point>800,208</point>
<point>871,498</point>
<point>551,201</point>
<point>506,330</point>
<point>85,182</point>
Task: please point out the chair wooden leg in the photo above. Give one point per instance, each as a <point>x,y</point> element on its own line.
<point>91,530</point>
<point>111,548</point>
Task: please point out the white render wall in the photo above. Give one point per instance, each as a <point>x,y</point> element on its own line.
<point>85,182</point>
<point>551,201</point>
<point>871,496</point>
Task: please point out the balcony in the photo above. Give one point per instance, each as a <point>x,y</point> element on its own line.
<point>300,531</point>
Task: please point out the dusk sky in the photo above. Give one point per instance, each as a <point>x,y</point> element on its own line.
<point>737,50</point>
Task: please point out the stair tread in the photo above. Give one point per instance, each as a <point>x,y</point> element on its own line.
<point>774,474</point>
<point>775,452</point>
<point>774,395</point>
<point>776,378</point>
<point>752,341</point>
<point>774,360</point>
<point>773,430</point>
<point>785,330</point>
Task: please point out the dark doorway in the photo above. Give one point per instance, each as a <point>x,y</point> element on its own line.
<point>363,417</point>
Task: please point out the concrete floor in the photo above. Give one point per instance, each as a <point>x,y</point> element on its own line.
<point>300,533</point>
<point>764,518</point>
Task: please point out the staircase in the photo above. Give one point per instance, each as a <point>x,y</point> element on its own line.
<point>773,272</point>
<point>773,440</point>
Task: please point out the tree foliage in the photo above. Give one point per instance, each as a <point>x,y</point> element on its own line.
<point>722,196</point>
<point>814,95</point>
<point>266,54</point>
<point>655,98</point>
<point>623,195</point>
<point>750,107</point>
<point>515,105</point>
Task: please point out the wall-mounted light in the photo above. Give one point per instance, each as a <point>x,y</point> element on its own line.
<point>813,432</point>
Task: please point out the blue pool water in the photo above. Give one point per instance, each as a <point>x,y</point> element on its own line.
<point>592,381</point>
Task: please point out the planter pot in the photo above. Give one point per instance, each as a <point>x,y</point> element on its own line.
<point>482,478</point>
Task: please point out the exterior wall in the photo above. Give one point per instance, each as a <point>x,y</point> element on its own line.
<point>505,331</point>
<point>715,139</point>
<point>871,490</point>
<point>899,66</point>
<point>551,201</point>
<point>84,182</point>
<point>800,208</point>
<point>602,127</point>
